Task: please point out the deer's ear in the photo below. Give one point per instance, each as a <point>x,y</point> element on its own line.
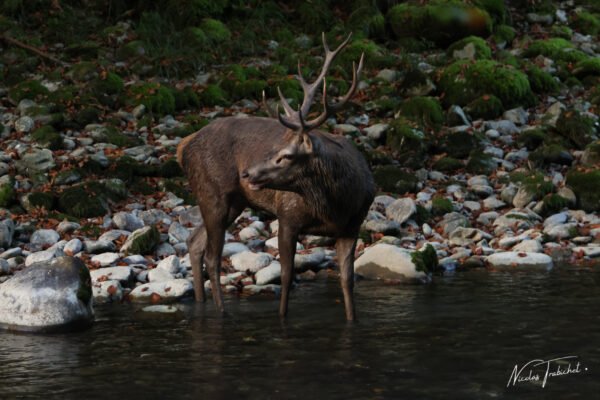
<point>306,143</point>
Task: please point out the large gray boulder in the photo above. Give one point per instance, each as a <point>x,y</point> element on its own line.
<point>47,297</point>
<point>386,261</point>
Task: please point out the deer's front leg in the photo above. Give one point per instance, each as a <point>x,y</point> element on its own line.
<point>287,239</point>
<point>345,253</point>
<point>196,246</point>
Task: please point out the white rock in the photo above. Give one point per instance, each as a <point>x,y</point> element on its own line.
<point>178,233</point>
<point>135,259</point>
<point>170,264</point>
<point>311,258</point>
<point>513,259</point>
<point>385,261</point>
<point>105,259</point>
<point>107,291</point>
<point>401,210</point>
<point>73,247</point>
<point>159,275</point>
<point>529,246</point>
<point>166,290</point>
<point>249,233</point>
<point>45,237</point>
<point>556,219</point>
<point>273,243</point>
<point>492,203</point>
<point>376,131</point>
<point>122,274</point>
<point>465,236</point>
<point>590,251</point>
<point>161,308</point>
<point>562,231</point>
<point>232,248</point>
<point>249,261</point>
<point>39,256</point>
<point>269,274</point>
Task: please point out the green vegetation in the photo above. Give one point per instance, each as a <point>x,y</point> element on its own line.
<point>144,241</point>
<point>578,128</point>
<point>558,49</point>
<point>480,49</point>
<point>425,111</point>
<point>541,81</point>
<point>553,204</point>
<point>441,206</point>
<point>392,179</point>
<point>447,164</point>
<point>7,195</point>
<point>465,81</point>
<point>44,200</point>
<point>586,186</point>
<point>48,137</point>
<point>157,98</point>
<point>480,163</point>
<point>459,144</point>
<point>425,260</point>
<point>533,182</point>
<point>532,138</point>
<point>485,107</point>
<point>586,23</point>
<point>31,89</point>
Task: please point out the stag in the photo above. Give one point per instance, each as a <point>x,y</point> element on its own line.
<point>314,182</point>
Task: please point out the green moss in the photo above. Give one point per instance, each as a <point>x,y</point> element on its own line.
<point>212,96</point>
<point>32,90</point>
<point>439,21</point>
<point>586,186</point>
<point>157,99</point>
<point>110,84</point>
<point>375,55</point>
<point>591,155</point>
<point>422,215</point>
<point>551,153</point>
<point>42,200</point>
<point>170,169</point>
<point>541,81</point>
<point>84,291</point>
<point>48,137</point>
<point>441,206</point>
<point>425,260</point>
<point>558,49</point>
<point>113,136</point>
<point>80,202</point>
<point>131,50</point>
<point>144,241</point>
<point>177,186</point>
<point>485,107</point>
<point>584,68</point>
<point>425,111</point>
<point>68,177</point>
<point>480,48</point>
<point>459,144</point>
<point>578,128</point>
<point>84,71</point>
<point>392,179</point>
<point>561,31</point>
<point>447,164</point>
<point>586,23</point>
<point>406,143</point>
<point>504,34</point>
<point>216,31</point>
<point>7,195</point>
<point>186,99</point>
<point>553,204</point>
<point>464,81</point>
<point>86,116</point>
<point>533,182</point>
<point>480,163</point>
<point>532,138</point>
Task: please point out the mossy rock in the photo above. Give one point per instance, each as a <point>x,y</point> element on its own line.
<point>69,176</point>
<point>375,55</point>
<point>588,67</point>
<point>561,31</point>
<point>541,81</point>
<point>86,116</point>
<point>32,90</point>
<point>84,71</point>
<point>442,22</point>
<point>579,129</point>
<point>552,154</point>
<point>48,137</point>
<point>591,155</point>
<point>485,107</point>
<point>213,95</point>
<point>586,23</point>
<point>131,50</point>
<point>392,179</point>
<point>156,98</point>
<point>186,99</point>
<point>532,138</point>
<point>215,31</point>
<point>471,48</point>
<point>480,163</point>
<point>109,84</point>
<point>406,143</point>
<point>142,241</point>
<point>425,111</point>
<point>586,186</point>
<point>177,186</point>
<point>458,144</point>
<point>422,215</point>
<point>45,200</point>
<point>290,88</point>
<point>534,183</point>
<point>447,164</point>
<point>441,206</point>
<point>464,81</point>
<point>558,49</point>
<point>113,136</point>
<point>425,260</point>
<point>7,195</point>
<point>553,203</point>
<point>504,34</point>
<point>80,202</point>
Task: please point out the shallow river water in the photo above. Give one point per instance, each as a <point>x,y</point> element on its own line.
<point>459,338</point>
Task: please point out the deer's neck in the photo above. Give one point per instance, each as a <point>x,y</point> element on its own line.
<point>327,184</point>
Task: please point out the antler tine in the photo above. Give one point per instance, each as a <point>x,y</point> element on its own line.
<point>289,111</point>
<point>355,75</point>
<point>309,89</point>
<point>324,115</point>
<point>285,122</point>
<point>268,109</point>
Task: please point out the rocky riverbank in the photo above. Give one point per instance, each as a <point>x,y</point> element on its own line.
<point>485,151</point>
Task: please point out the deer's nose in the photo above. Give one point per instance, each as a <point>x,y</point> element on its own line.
<point>245,174</point>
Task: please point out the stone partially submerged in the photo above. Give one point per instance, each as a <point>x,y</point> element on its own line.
<point>47,297</point>
<point>386,261</point>
<point>520,261</point>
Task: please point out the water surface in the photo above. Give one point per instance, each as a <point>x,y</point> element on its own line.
<point>457,338</point>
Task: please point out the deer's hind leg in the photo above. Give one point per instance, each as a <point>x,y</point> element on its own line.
<point>196,246</point>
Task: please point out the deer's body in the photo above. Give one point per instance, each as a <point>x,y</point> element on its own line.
<point>314,182</point>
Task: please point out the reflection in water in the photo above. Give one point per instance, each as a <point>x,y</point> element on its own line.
<point>458,337</point>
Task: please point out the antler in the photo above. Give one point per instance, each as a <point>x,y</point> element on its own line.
<point>295,119</point>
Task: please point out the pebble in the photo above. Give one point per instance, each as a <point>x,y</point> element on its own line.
<point>44,237</point>
<point>249,261</point>
<point>105,259</point>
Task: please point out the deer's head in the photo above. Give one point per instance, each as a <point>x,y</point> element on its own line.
<point>288,158</point>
